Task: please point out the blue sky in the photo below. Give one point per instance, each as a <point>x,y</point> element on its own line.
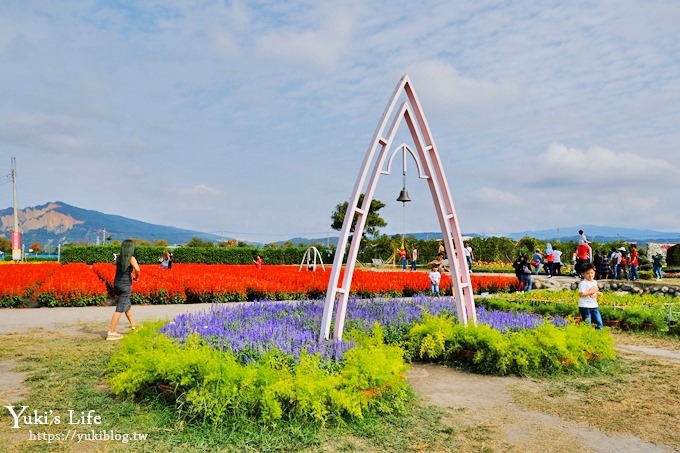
<point>251,119</point>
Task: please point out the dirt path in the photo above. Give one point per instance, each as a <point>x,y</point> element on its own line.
<point>649,351</point>
<point>15,320</point>
<point>481,408</point>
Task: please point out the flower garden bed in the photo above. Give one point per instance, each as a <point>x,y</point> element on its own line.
<point>19,282</point>
<point>626,311</point>
<point>264,360</point>
<point>79,284</point>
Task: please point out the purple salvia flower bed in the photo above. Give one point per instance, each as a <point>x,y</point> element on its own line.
<point>509,320</point>
<point>250,330</point>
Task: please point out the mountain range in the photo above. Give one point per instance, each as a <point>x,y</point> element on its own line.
<point>58,223</point>
<point>599,234</point>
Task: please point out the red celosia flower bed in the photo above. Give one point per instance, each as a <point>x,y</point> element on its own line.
<point>80,284</point>
<point>71,285</point>
<point>19,281</point>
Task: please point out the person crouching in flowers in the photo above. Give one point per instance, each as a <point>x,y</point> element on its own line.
<point>126,265</point>
<point>165,260</point>
<point>435,278</point>
<point>587,297</point>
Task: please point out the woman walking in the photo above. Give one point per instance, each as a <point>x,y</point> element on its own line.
<point>126,265</point>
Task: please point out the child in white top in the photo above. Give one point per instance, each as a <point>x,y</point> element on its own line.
<point>587,297</point>
<point>435,278</point>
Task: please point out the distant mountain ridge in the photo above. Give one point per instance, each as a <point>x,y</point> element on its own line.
<point>58,222</point>
<point>562,234</point>
<point>599,234</point>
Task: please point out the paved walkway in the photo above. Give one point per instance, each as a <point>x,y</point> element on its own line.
<point>18,320</point>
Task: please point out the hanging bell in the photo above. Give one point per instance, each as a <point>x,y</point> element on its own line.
<point>403,196</point>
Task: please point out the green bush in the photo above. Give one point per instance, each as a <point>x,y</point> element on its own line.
<point>147,254</point>
<point>211,385</point>
<point>673,255</point>
<point>544,350</point>
<point>635,311</point>
<point>11,301</point>
<point>71,299</point>
<point>643,318</point>
<point>645,275</point>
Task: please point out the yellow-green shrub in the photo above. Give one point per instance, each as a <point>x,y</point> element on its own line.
<point>211,385</point>
<point>544,350</point>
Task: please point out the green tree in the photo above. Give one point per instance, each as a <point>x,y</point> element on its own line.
<point>493,248</point>
<point>373,222</point>
<point>527,245</point>
<point>381,247</point>
<point>5,245</point>
<point>673,255</point>
<point>198,242</point>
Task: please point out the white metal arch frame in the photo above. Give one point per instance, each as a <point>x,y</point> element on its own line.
<point>309,259</point>
<point>430,168</point>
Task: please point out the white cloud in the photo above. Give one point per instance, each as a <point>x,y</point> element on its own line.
<point>45,132</point>
<point>6,34</point>
<point>640,204</point>
<point>322,47</point>
<point>198,190</point>
<point>560,162</point>
<point>440,83</point>
<point>24,124</point>
<point>225,43</point>
<point>494,197</point>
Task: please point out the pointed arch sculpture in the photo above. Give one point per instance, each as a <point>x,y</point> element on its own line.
<point>309,259</point>
<point>430,168</point>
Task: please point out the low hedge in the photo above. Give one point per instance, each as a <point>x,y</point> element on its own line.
<point>147,254</point>
<point>631,317</point>
<point>544,350</point>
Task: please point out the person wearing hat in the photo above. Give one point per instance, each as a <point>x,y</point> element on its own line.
<point>657,265</point>
<point>625,262</point>
<point>619,263</point>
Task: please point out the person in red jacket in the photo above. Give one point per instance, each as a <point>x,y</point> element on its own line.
<point>634,262</point>
<point>583,255</point>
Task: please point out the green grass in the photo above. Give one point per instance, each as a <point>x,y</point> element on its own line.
<point>637,396</point>
<point>67,371</point>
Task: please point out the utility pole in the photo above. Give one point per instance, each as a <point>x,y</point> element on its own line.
<point>16,234</point>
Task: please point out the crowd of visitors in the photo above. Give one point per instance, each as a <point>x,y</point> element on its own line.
<point>620,263</point>
<point>548,260</point>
